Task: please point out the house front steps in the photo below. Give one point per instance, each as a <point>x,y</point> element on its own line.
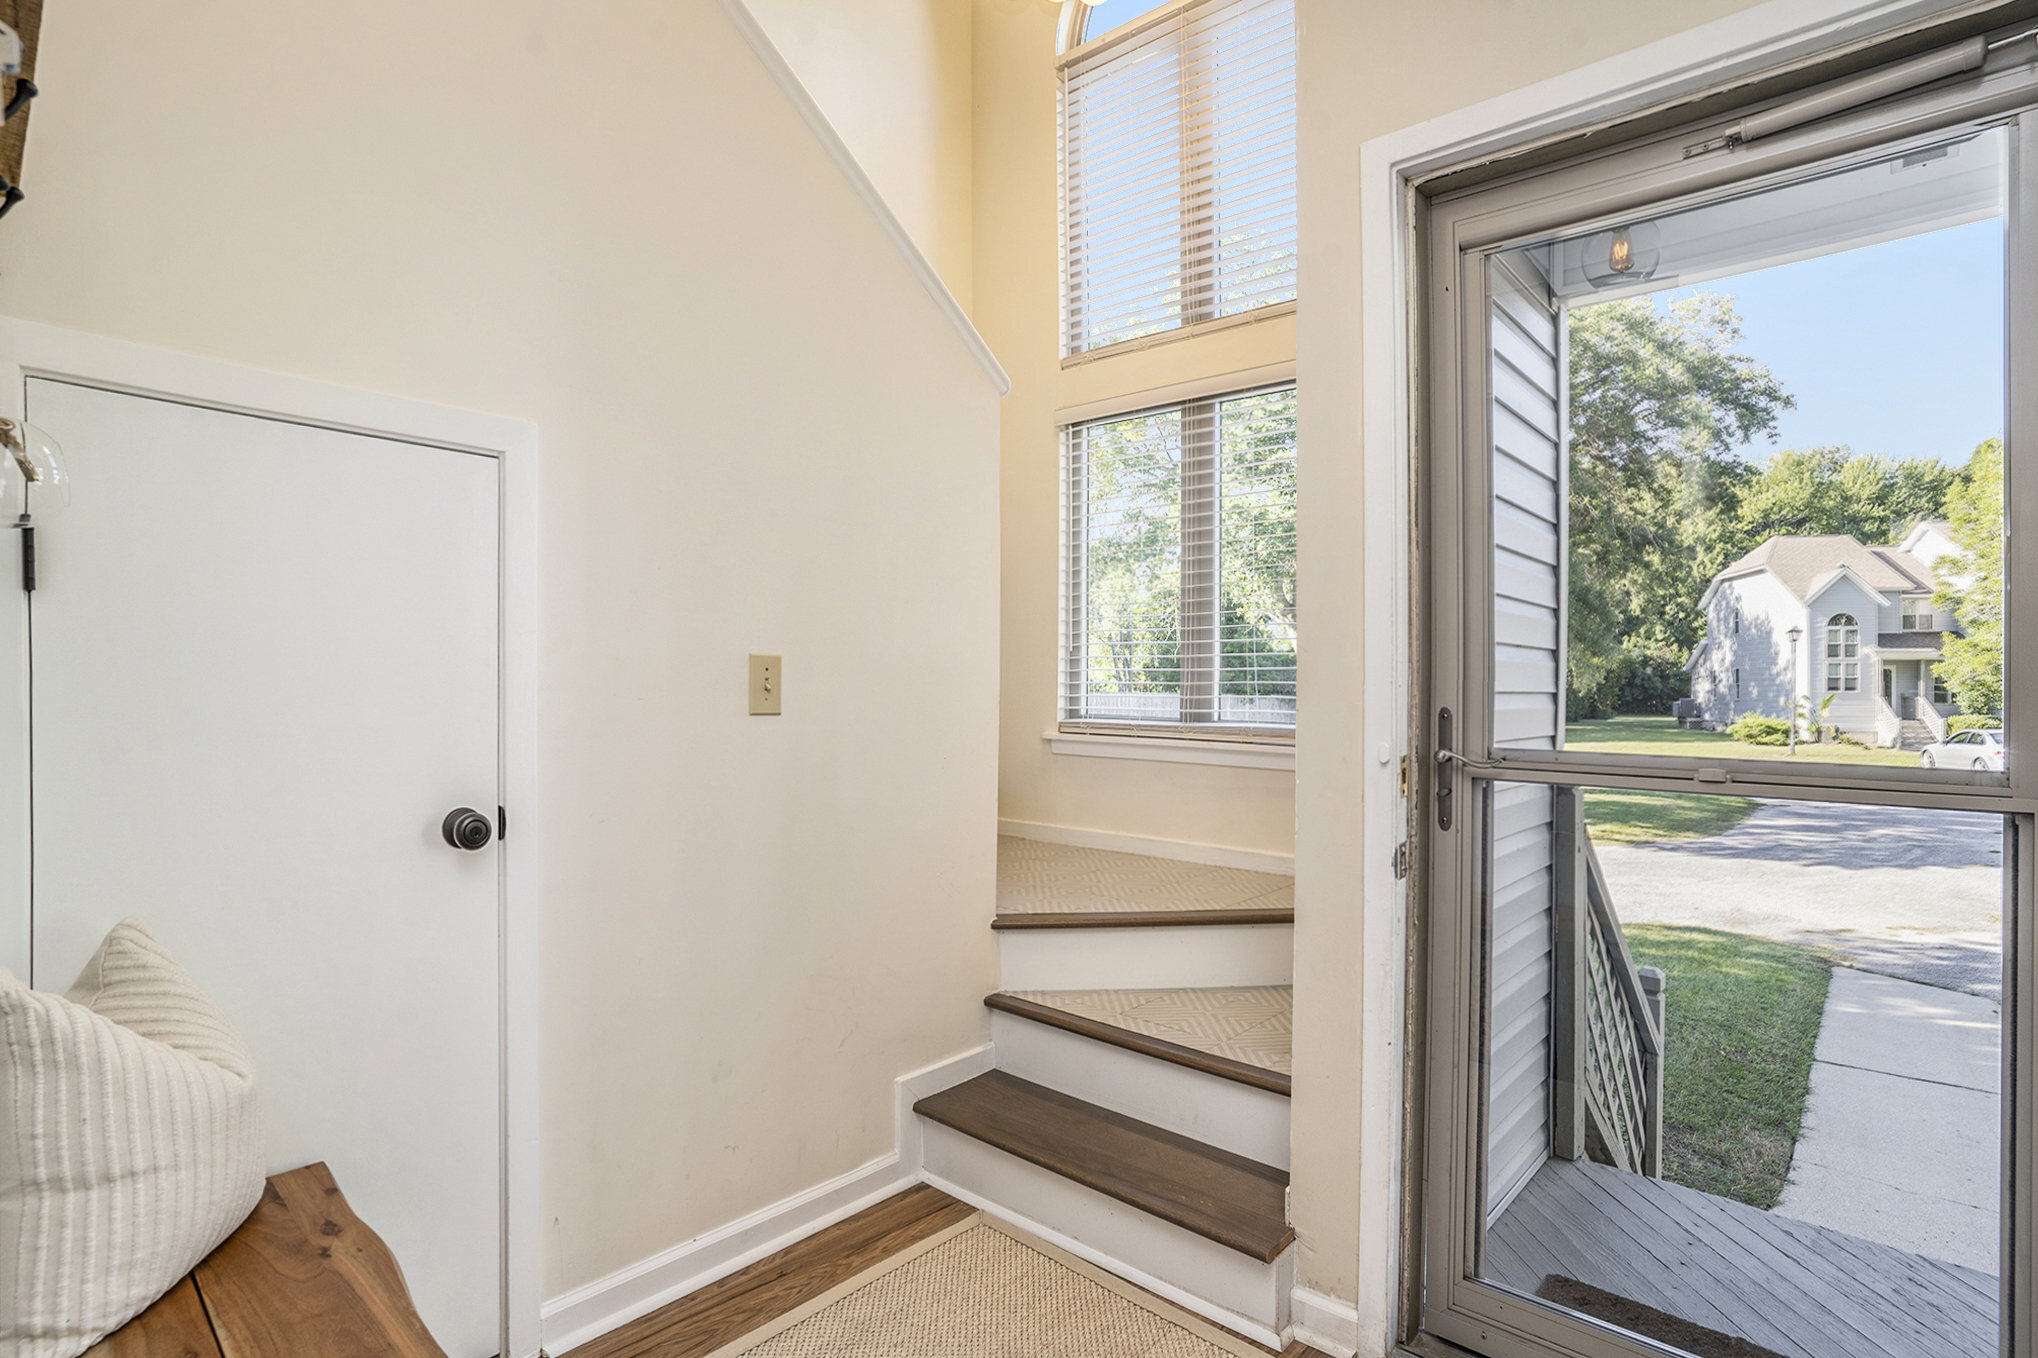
<point>1914,735</point>
<point>1137,1114</point>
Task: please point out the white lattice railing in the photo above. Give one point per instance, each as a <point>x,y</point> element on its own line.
<point>1929,715</point>
<point>1608,1029</point>
<point>1888,725</point>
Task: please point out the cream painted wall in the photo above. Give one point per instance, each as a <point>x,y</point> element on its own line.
<point>1368,69</point>
<point>1018,310</point>
<point>610,222</point>
<point>893,76</point>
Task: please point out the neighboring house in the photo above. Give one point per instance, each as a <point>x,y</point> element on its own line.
<point>1868,635</point>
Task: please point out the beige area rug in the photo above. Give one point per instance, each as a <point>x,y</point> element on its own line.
<point>1251,1024</point>
<point>1035,877</point>
<point>980,1290</point>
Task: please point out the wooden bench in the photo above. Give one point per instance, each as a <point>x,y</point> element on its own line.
<point>302,1276</point>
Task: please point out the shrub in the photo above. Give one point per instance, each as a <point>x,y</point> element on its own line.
<point>1972,721</point>
<point>1756,729</point>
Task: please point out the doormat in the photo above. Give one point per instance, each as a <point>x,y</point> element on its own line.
<point>1647,1321</point>
<point>984,1290</point>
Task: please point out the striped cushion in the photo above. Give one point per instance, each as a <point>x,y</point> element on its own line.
<point>129,1144</point>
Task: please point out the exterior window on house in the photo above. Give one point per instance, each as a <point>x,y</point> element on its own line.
<point>1737,685</point>
<point>1843,651</point>
<point>1916,616</point>
<point>1178,172</point>
<point>1941,697</point>
<point>1179,568</point>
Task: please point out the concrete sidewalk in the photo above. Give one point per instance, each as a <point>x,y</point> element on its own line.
<point>1901,1137</point>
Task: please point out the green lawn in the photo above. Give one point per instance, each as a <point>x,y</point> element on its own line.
<point>1742,1017</point>
<point>1621,816</point>
<point>1662,736</point>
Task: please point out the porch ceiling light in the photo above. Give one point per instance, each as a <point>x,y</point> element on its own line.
<point>1626,254</point>
<point>33,480</point>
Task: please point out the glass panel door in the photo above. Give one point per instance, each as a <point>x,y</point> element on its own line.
<point>1726,876</point>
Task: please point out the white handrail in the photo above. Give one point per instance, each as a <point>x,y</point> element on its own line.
<point>1929,714</point>
<point>1888,725</point>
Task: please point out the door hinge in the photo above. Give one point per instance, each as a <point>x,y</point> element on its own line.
<point>501,825</point>
<point>1404,778</point>
<point>27,531</point>
<point>1401,861</point>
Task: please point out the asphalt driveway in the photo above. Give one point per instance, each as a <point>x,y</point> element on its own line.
<point>1904,892</point>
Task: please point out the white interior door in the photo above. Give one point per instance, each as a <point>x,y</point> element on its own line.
<point>265,665</point>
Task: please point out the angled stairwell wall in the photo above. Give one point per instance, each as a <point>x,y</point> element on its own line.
<point>760,430</point>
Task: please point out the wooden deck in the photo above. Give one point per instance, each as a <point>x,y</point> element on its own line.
<point>1797,1290</point>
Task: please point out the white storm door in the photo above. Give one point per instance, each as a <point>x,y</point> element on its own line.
<point>265,666</point>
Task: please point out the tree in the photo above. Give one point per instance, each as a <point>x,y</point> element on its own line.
<point>1835,490</point>
<point>1971,584</point>
<point>1661,405</point>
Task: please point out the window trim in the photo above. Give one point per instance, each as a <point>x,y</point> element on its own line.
<point>1273,311</point>
<point>1211,391</point>
<point>1082,47</point>
<point>1198,313</point>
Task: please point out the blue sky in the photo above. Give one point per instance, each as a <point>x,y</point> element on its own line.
<point>1894,349</point>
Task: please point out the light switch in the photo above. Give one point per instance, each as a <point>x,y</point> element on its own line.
<point>764,685</point>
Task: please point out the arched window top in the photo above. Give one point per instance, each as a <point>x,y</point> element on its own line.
<point>1843,637</point>
<point>1084,20</point>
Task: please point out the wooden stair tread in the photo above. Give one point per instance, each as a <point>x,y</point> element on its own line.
<point>302,1275</point>
<point>1236,1202</point>
<point>1210,1063</point>
<point>1137,919</point>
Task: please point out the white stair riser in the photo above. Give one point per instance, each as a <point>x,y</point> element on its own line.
<point>1207,1108</point>
<point>1147,958</point>
<point>1230,1288</point>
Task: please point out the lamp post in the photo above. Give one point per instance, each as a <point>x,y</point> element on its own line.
<point>1796,634</point>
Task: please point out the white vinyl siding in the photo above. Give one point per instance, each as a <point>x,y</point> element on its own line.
<point>1178,172</point>
<point>1528,710</point>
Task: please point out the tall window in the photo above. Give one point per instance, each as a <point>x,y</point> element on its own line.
<point>1916,614</point>
<point>1843,654</point>
<point>1178,171</point>
<point>1179,567</point>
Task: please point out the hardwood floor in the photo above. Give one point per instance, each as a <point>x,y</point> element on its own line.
<point>722,1311</point>
<point>697,1325</point>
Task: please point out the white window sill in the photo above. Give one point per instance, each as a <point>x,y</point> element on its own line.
<point>1243,754</point>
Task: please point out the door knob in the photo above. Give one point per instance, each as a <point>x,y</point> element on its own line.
<point>466,828</point>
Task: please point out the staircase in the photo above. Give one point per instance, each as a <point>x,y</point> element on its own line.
<point>1137,1115</point>
<point>1913,735</point>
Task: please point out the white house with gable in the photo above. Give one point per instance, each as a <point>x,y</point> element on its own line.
<point>1828,616</point>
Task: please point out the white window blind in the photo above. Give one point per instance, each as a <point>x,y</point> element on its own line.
<point>1179,567</point>
<point>1178,172</point>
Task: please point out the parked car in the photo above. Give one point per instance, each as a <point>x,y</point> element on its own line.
<point>1967,750</point>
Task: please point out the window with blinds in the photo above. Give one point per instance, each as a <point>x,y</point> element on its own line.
<point>1178,171</point>
<point>1179,568</point>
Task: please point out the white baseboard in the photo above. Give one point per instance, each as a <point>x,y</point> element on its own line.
<point>609,1303</point>
<point>589,1312</point>
<point>1216,855</point>
<point>916,1085</point>
<point>1326,1323</point>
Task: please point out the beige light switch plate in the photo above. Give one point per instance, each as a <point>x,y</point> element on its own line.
<point>765,685</point>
